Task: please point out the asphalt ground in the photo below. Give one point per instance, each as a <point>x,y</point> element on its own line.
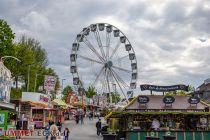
<point>86,131</point>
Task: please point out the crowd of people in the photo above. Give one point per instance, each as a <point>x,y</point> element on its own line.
<point>52,131</point>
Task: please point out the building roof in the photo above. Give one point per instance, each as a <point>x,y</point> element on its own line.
<point>156,103</point>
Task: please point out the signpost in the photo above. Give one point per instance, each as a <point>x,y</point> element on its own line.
<point>49,83</point>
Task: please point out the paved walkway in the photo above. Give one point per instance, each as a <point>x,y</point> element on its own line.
<point>87,131</point>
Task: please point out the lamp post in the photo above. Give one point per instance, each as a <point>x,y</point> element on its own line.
<point>29,69</point>
<point>18,60</point>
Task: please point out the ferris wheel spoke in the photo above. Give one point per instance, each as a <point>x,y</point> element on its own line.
<point>122,69</point>
<point>115,49</point>
<point>107,78</point>
<point>89,59</point>
<point>123,57</point>
<point>120,79</point>
<point>119,85</point>
<point>87,42</point>
<point>98,75</point>
<point>98,39</point>
<point>107,44</point>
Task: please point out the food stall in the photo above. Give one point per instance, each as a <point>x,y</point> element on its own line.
<point>37,111</point>
<point>176,117</point>
<point>7,121</point>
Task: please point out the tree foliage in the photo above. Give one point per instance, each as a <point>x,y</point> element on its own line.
<point>116,97</point>
<point>33,60</point>
<point>181,93</point>
<point>16,93</point>
<point>65,92</point>
<point>6,39</point>
<point>90,92</point>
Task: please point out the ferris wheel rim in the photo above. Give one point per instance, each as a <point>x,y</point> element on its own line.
<point>76,75</point>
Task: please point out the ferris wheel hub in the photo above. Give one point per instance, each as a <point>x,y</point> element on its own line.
<point>108,64</point>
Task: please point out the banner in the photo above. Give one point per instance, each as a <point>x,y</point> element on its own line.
<point>49,83</point>
<point>164,88</point>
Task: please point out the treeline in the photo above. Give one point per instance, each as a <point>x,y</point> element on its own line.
<point>33,59</point>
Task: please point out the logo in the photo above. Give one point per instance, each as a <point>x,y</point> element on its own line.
<point>43,98</point>
<point>143,99</point>
<point>194,100</point>
<point>168,99</point>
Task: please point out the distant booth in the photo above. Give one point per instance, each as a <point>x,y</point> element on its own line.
<point>175,117</point>
<point>36,110</point>
<point>60,107</point>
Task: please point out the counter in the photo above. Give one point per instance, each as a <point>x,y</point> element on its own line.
<point>180,135</point>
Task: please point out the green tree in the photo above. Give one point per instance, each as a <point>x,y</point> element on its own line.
<point>90,92</point>
<point>181,93</point>
<point>65,92</point>
<point>116,97</point>
<point>6,39</point>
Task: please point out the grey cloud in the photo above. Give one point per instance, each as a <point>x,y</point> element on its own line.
<point>160,40</point>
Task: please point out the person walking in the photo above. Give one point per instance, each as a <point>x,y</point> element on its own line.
<point>18,127</point>
<point>47,133</point>
<point>59,125</point>
<point>82,118</point>
<point>98,127</point>
<point>77,118</point>
<point>66,134</point>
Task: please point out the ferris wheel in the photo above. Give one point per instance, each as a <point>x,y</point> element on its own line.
<point>103,57</point>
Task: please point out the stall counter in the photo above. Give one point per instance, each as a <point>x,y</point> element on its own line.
<point>180,135</point>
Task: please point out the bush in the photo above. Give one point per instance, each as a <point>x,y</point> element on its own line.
<point>15,93</point>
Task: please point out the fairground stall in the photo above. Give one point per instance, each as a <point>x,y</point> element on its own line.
<point>8,113</point>
<point>162,118</point>
<point>36,110</point>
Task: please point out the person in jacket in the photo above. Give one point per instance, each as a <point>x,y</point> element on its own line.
<point>98,127</point>
<point>66,134</point>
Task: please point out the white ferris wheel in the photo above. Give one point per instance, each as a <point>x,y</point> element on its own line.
<point>103,57</point>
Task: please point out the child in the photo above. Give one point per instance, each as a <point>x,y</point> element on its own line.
<point>66,134</point>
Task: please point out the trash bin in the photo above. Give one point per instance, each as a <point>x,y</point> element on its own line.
<point>109,137</point>
<point>169,137</point>
<point>151,138</point>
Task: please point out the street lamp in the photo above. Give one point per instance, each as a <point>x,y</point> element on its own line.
<point>10,57</point>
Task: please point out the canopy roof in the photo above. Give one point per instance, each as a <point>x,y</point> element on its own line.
<point>156,103</point>
<point>59,102</point>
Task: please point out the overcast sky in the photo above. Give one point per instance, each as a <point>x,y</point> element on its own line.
<point>171,38</point>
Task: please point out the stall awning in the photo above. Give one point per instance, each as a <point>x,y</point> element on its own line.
<point>79,104</point>
<point>41,104</point>
<point>59,102</point>
<point>7,105</point>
